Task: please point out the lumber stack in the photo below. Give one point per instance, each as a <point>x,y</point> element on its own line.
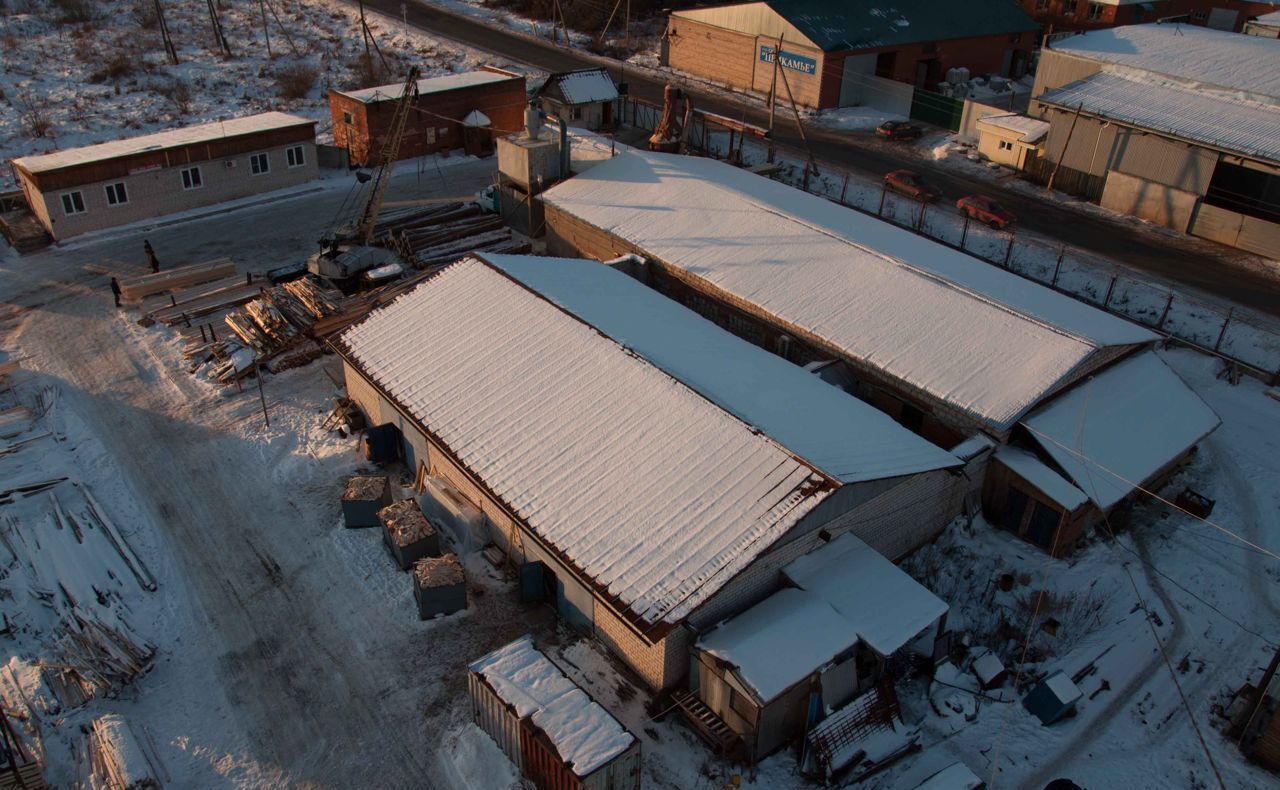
<point>444,233</point>
<point>134,289</point>
<point>98,659</point>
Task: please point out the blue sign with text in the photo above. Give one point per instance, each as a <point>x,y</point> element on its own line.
<point>789,60</point>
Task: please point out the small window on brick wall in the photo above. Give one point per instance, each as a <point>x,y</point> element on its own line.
<point>191,178</point>
<point>73,203</point>
<point>116,194</point>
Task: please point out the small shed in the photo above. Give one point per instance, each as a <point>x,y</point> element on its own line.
<point>439,586</point>
<point>1025,496</point>
<point>408,534</point>
<point>1052,698</point>
<point>849,611</point>
<point>1010,139</point>
<point>556,735</point>
<point>364,496</point>
<point>586,98</point>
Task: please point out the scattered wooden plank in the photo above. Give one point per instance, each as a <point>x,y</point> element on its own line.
<point>134,289</point>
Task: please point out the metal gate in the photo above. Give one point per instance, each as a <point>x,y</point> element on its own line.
<point>936,109</point>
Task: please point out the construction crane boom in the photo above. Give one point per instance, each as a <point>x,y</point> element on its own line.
<point>390,152</point>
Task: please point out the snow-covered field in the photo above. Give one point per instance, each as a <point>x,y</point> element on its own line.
<point>289,651</point>
<point>66,83</point>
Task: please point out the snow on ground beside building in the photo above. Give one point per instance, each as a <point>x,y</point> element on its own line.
<point>107,77</point>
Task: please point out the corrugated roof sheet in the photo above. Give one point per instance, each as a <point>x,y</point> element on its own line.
<point>1188,52</point>
<point>984,340</point>
<point>159,141</point>
<point>1124,424</point>
<point>448,82</point>
<point>1038,474</point>
<point>585,735</point>
<point>647,488</point>
<point>585,87</point>
<point>841,435</point>
<point>887,607</point>
<point>1209,117</point>
<point>1031,129</point>
<point>862,25</point>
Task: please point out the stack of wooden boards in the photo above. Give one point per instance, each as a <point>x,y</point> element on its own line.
<point>441,234</point>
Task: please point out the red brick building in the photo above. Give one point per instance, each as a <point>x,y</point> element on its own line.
<point>454,111</point>
<point>830,52</point>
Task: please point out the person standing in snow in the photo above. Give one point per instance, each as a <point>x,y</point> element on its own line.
<point>151,256</point>
<point>115,290</point>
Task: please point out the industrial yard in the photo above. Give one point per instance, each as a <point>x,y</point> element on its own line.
<point>470,425</point>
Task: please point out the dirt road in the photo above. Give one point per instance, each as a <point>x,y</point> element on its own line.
<point>328,677</point>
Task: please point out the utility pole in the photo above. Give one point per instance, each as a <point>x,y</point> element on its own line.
<point>219,36</point>
<point>164,34</point>
<point>773,97</point>
<point>1049,186</point>
<point>812,164</point>
<point>263,397</point>
<point>627,39</point>
<point>266,31</point>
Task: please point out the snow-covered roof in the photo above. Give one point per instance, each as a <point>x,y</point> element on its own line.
<point>1063,688</point>
<point>448,82</point>
<point>650,491</point>
<point>1121,426</point>
<point>159,141</point>
<point>841,435</point>
<point>1188,52</point>
<point>585,87</point>
<point>886,607</point>
<point>585,735</point>
<point>1212,117</point>
<point>1038,474</point>
<point>476,118</point>
<point>781,641</point>
<point>1032,130</point>
<point>1272,18</point>
<point>984,340</point>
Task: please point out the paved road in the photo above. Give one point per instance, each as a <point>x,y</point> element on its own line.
<point>1190,262</point>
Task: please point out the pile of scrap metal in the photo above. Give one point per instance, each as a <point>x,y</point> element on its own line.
<point>444,233</point>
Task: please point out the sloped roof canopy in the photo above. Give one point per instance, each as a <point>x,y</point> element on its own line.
<point>1117,429</point>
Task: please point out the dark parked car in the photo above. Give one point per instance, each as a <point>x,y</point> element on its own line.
<point>984,209</point>
<point>899,130</point>
<point>911,185</point>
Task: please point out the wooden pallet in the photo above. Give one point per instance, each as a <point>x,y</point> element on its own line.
<point>710,727</point>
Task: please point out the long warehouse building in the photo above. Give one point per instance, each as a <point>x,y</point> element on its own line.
<point>655,469</point>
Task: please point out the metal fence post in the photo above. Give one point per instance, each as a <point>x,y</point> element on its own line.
<point>1057,267</point>
<point>1223,332</point>
<point>1164,315</point>
<point>883,191</point>
<point>964,234</point>
<point>844,189</point>
<point>1110,290</point>
<point>920,219</point>
<point>1008,251</point>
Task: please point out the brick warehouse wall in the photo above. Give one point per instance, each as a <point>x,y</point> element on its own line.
<point>432,127</point>
<point>157,192</point>
<point>733,58</point>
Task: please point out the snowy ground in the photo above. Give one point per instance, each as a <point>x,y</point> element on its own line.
<point>70,83</point>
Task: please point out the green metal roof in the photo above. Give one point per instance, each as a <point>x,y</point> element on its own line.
<point>862,24</point>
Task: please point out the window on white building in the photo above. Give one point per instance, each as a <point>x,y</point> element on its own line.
<point>295,156</point>
<point>259,164</point>
<point>1005,145</point>
<point>191,178</point>
<point>73,203</point>
<point>116,194</point>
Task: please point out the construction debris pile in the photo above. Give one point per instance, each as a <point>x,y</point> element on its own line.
<point>438,235</point>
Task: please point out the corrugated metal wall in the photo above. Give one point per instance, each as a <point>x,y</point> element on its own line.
<point>493,716</point>
<point>1056,69</point>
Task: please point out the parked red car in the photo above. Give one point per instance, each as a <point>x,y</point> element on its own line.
<point>899,130</point>
<point>984,209</point>
<point>912,185</point>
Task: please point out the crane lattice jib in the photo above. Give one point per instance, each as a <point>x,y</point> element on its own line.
<point>390,151</point>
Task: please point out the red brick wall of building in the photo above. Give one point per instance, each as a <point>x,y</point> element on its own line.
<point>433,126</point>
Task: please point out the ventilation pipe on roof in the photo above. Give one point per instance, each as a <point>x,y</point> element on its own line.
<point>532,121</point>
<point>564,147</point>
